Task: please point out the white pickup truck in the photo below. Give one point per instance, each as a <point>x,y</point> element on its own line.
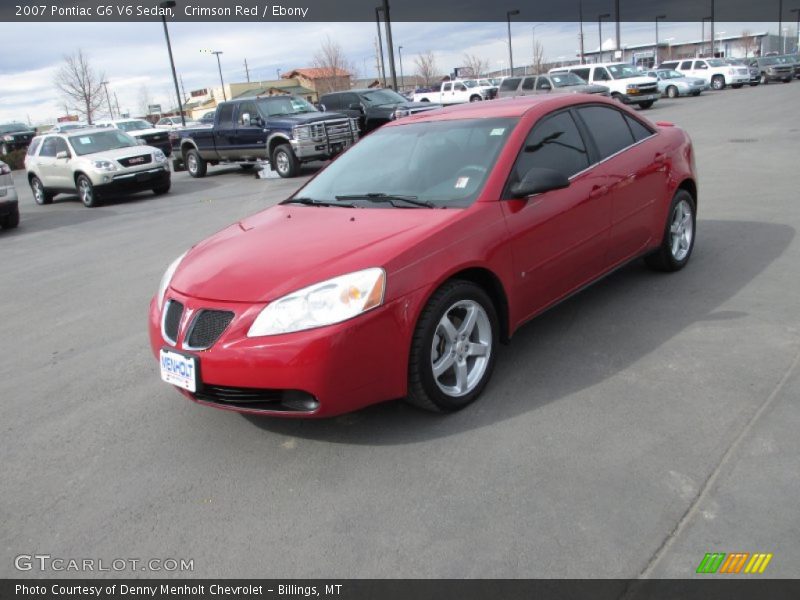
<point>625,83</point>
<point>457,92</point>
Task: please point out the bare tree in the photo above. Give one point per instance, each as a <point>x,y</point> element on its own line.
<point>478,66</point>
<point>145,100</point>
<point>81,84</point>
<point>426,67</point>
<point>336,67</point>
<point>538,58</point>
<point>747,43</point>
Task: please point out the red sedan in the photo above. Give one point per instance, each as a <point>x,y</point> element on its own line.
<point>396,271</point>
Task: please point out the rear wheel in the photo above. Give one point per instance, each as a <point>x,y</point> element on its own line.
<point>195,164</point>
<point>86,191</point>
<point>618,97</point>
<point>672,92</point>
<point>718,82</point>
<point>40,195</point>
<point>285,162</point>
<point>679,233</point>
<point>10,221</point>
<point>453,349</point>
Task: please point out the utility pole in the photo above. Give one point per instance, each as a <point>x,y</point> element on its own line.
<point>246,70</point>
<point>580,19</point>
<point>389,44</point>
<point>382,72</point>
<point>378,61</point>
<point>108,99</point>
<point>616,17</point>
<point>183,91</point>
<point>712,28</point>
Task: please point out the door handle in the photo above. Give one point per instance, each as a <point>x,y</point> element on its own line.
<point>598,191</point>
<point>660,158</point>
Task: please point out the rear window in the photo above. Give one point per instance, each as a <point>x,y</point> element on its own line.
<point>639,131</point>
<point>34,146</point>
<point>510,84</point>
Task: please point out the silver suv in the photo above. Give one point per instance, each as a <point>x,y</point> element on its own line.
<point>94,163</point>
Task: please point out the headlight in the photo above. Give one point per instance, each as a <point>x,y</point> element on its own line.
<point>400,113</point>
<point>104,165</point>
<point>8,138</point>
<point>301,132</point>
<point>166,278</point>
<point>159,156</point>
<point>325,303</point>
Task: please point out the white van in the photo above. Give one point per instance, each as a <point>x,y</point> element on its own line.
<point>625,82</point>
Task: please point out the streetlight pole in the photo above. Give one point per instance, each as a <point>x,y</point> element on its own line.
<point>389,43</point>
<point>171,4</point>
<point>719,41</point>
<point>108,98</point>
<point>797,31</point>
<point>402,79</point>
<point>219,66</point>
<point>510,14</point>
<point>655,50</point>
<point>780,25</point>
<point>600,34</point>
<point>378,10</point>
<point>580,19</point>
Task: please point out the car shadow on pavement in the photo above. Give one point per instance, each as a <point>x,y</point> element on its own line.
<point>590,337</point>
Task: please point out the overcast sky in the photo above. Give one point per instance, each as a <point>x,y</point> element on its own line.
<point>133,55</point>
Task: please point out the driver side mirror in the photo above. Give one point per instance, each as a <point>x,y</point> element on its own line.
<point>63,154</point>
<point>538,181</point>
<point>356,106</point>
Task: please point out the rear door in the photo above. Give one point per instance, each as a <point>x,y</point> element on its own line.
<point>543,85</point>
<point>45,162</point>
<point>636,176</point>
<point>225,130</point>
<point>559,238</point>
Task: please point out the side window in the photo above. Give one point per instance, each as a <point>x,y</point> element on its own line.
<point>509,84</point>
<point>34,146</point>
<point>447,87</point>
<point>247,107</point>
<point>639,131</point>
<point>582,73</point>
<point>226,115</point>
<point>332,102</point>
<point>543,83</point>
<point>686,65</point>
<point>460,87</point>
<point>48,147</point>
<point>608,129</point>
<point>600,74</point>
<point>553,143</point>
<point>61,146</point>
<point>700,64</point>
<point>348,99</point>
<point>527,83</point>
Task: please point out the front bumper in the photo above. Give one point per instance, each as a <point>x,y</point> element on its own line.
<point>137,181</point>
<point>639,98</point>
<point>306,150</point>
<point>342,367</point>
<point>9,205</point>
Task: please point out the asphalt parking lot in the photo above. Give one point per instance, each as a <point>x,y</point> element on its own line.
<point>637,426</point>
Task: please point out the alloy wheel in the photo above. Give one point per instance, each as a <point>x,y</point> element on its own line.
<point>681,230</point>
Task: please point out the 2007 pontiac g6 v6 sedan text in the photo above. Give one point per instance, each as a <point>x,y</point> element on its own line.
<point>397,270</point>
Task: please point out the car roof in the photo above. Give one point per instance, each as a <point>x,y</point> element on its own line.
<point>506,107</point>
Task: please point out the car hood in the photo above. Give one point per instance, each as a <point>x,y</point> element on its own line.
<point>118,153</point>
<point>151,131</point>
<point>589,88</point>
<point>303,118</point>
<point>289,247</point>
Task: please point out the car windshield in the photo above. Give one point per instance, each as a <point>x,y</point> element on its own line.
<point>12,127</point>
<point>623,71</point>
<point>285,105</point>
<point>444,163</point>
<point>382,97</point>
<point>100,141</point>
<point>566,80</point>
<point>769,61</point>
<point>716,62</point>
<point>786,60</point>
<point>132,125</point>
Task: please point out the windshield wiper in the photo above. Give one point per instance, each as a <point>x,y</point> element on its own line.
<point>312,202</point>
<point>390,198</point>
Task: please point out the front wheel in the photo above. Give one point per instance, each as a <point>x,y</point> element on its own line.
<point>162,189</point>
<point>718,82</point>
<point>285,162</point>
<point>645,105</point>
<point>672,92</point>
<point>679,233</point>
<point>87,192</point>
<point>453,349</point>
<point>475,98</point>
<point>195,164</point>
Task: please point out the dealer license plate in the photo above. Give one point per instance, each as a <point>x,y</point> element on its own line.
<point>179,370</point>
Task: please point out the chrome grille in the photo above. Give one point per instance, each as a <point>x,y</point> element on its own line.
<point>340,128</point>
<point>206,328</point>
<point>135,161</point>
<point>172,320</point>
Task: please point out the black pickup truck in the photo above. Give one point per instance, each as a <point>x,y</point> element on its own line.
<point>285,130</point>
<point>373,107</point>
<point>14,136</point>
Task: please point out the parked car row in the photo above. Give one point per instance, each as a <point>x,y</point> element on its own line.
<point>9,205</point>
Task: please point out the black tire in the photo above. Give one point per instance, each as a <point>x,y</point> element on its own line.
<point>10,221</point>
<point>423,389</point>
<point>86,191</point>
<point>285,162</point>
<point>162,189</point>
<point>718,82</point>
<point>672,92</point>
<point>618,97</point>
<point>755,83</point>
<point>646,105</point>
<point>475,98</point>
<point>788,80</point>
<point>40,193</point>
<point>424,100</point>
<point>764,80</point>
<point>195,164</point>
<point>663,259</point>
<point>696,93</point>
<point>736,86</point>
